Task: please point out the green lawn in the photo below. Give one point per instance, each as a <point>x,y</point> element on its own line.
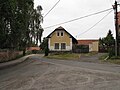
<point>117,61</point>
<point>65,56</point>
<point>112,60</point>
<point>74,56</point>
<point>90,54</point>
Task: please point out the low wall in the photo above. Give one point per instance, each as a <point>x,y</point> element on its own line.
<point>6,55</point>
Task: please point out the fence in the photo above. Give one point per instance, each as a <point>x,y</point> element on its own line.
<point>81,49</point>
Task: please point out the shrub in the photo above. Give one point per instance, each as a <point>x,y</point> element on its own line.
<point>111,52</point>
<point>46,51</point>
<point>34,51</point>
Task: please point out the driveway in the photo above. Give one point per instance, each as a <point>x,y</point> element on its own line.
<point>38,73</point>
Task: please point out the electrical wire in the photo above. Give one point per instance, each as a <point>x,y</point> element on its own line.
<point>52,8</point>
<point>96,23</point>
<point>79,18</point>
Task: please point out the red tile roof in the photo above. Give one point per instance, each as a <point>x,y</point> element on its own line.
<point>86,42</point>
<point>33,48</point>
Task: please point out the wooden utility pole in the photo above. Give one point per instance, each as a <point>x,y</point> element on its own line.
<point>116,29</point>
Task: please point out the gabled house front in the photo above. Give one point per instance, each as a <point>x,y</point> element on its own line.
<point>60,40</point>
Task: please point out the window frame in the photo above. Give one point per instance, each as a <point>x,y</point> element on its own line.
<point>57,33</point>
<point>63,46</point>
<point>62,33</point>
<point>56,47</point>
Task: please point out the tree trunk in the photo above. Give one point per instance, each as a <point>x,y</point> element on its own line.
<point>24,52</point>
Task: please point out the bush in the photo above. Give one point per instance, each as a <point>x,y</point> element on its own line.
<point>34,51</point>
<point>46,51</point>
<point>28,52</point>
<point>111,52</point>
<point>40,52</point>
<point>115,57</point>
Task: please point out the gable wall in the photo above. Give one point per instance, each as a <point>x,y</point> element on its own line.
<point>60,39</point>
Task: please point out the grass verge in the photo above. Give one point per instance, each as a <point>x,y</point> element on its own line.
<point>90,54</point>
<point>65,56</point>
<point>110,60</point>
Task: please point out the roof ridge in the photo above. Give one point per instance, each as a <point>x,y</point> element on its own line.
<point>60,27</point>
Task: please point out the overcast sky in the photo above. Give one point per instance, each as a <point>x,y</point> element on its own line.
<point>71,9</point>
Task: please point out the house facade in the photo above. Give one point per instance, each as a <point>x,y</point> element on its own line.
<point>60,40</point>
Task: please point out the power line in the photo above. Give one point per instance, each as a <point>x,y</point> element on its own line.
<point>79,18</point>
<point>96,23</point>
<point>51,8</point>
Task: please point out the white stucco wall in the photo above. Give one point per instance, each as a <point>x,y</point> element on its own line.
<point>93,47</point>
<point>68,48</point>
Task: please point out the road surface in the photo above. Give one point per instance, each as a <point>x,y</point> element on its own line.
<point>38,73</point>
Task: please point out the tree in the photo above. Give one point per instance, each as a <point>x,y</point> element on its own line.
<point>19,22</point>
<point>108,43</point>
<point>44,43</point>
<point>36,28</point>
<point>44,46</point>
<point>38,20</point>
<point>109,39</point>
<point>5,14</point>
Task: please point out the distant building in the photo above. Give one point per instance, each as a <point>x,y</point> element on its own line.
<point>119,23</point>
<point>119,30</point>
<point>92,44</point>
<point>33,48</point>
<point>60,40</point>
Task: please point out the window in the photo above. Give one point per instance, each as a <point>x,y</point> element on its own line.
<point>61,33</point>
<point>56,46</point>
<point>63,46</point>
<point>57,33</point>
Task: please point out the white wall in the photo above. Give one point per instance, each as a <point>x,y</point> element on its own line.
<point>68,48</point>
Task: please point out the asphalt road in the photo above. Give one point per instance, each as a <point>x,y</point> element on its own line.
<point>44,74</point>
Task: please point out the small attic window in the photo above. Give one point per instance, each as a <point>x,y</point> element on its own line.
<point>61,33</point>
<point>58,34</point>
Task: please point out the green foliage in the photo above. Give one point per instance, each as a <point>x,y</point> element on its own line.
<point>37,30</point>
<point>34,51</point>
<point>115,58</point>
<point>19,24</point>
<point>108,43</point>
<point>109,39</point>
<point>44,44</point>
<point>46,51</point>
<point>103,56</point>
<point>111,51</point>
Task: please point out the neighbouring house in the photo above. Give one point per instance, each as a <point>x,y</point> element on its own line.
<point>33,48</point>
<point>119,26</point>
<point>119,30</point>
<point>93,45</point>
<point>60,40</point>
